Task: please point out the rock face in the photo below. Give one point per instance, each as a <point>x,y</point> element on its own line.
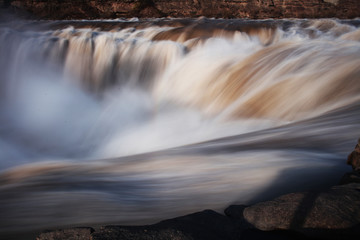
<point>311,213</point>
<point>354,157</point>
<point>350,177</point>
<point>90,9</point>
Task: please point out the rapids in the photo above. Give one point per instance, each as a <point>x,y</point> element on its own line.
<point>135,121</point>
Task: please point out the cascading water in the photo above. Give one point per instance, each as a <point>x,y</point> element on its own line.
<point>133,122</point>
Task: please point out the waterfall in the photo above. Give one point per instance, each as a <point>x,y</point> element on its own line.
<point>130,122</point>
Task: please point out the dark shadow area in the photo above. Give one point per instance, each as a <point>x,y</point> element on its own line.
<point>6,3</point>
<point>318,234</point>
<point>303,210</point>
<point>201,225</point>
<point>297,211</point>
<point>300,179</point>
<point>205,225</point>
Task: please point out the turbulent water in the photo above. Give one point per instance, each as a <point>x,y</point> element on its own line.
<point>131,122</point>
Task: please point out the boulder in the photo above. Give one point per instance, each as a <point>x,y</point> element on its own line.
<point>329,214</point>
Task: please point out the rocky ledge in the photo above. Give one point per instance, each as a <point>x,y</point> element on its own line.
<point>329,214</point>
<point>256,9</point>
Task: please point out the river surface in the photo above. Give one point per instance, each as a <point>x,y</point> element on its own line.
<point>135,121</point>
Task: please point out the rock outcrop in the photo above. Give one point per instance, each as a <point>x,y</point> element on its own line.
<point>350,177</point>
<point>311,213</point>
<point>354,157</point>
<point>329,214</point>
<point>90,9</point>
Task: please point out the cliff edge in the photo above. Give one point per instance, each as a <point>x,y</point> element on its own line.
<point>255,9</point>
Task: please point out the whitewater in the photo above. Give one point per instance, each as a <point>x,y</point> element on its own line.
<point>135,121</point>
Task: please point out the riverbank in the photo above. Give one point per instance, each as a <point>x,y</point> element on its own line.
<point>100,9</point>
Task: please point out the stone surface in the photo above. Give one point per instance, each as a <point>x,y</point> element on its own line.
<point>329,213</point>
<point>354,157</point>
<point>69,234</point>
<point>90,9</point>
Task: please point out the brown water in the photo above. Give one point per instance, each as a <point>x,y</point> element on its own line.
<point>131,122</point>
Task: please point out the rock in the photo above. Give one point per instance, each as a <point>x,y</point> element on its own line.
<point>201,225</point>
<point>83,233</point>
<point>247,232</point>
<point>354,157</point>
<point>331,213</point>
<point>83,9</point>
<point>235,211</point>
<point>351,177</point>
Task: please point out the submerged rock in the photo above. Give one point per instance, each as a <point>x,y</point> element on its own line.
<point>335,212</point>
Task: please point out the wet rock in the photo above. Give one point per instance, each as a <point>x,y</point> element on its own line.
<point>83,233</point>
<point>202,225</point>
<point>329,214</point>
<point>354,157</point>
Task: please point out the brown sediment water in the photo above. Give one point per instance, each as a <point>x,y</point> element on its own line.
<point>131,122</point>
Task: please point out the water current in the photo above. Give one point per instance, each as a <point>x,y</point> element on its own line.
<point>135,121</point>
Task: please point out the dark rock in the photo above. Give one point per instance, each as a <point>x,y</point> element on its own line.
<point>350,177</point>
<point>354,157</point>
<point>235,211</point>
<point>248,232</point>
<point>202,225</point>
<point>83,233</point>
<point>329,214</point>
